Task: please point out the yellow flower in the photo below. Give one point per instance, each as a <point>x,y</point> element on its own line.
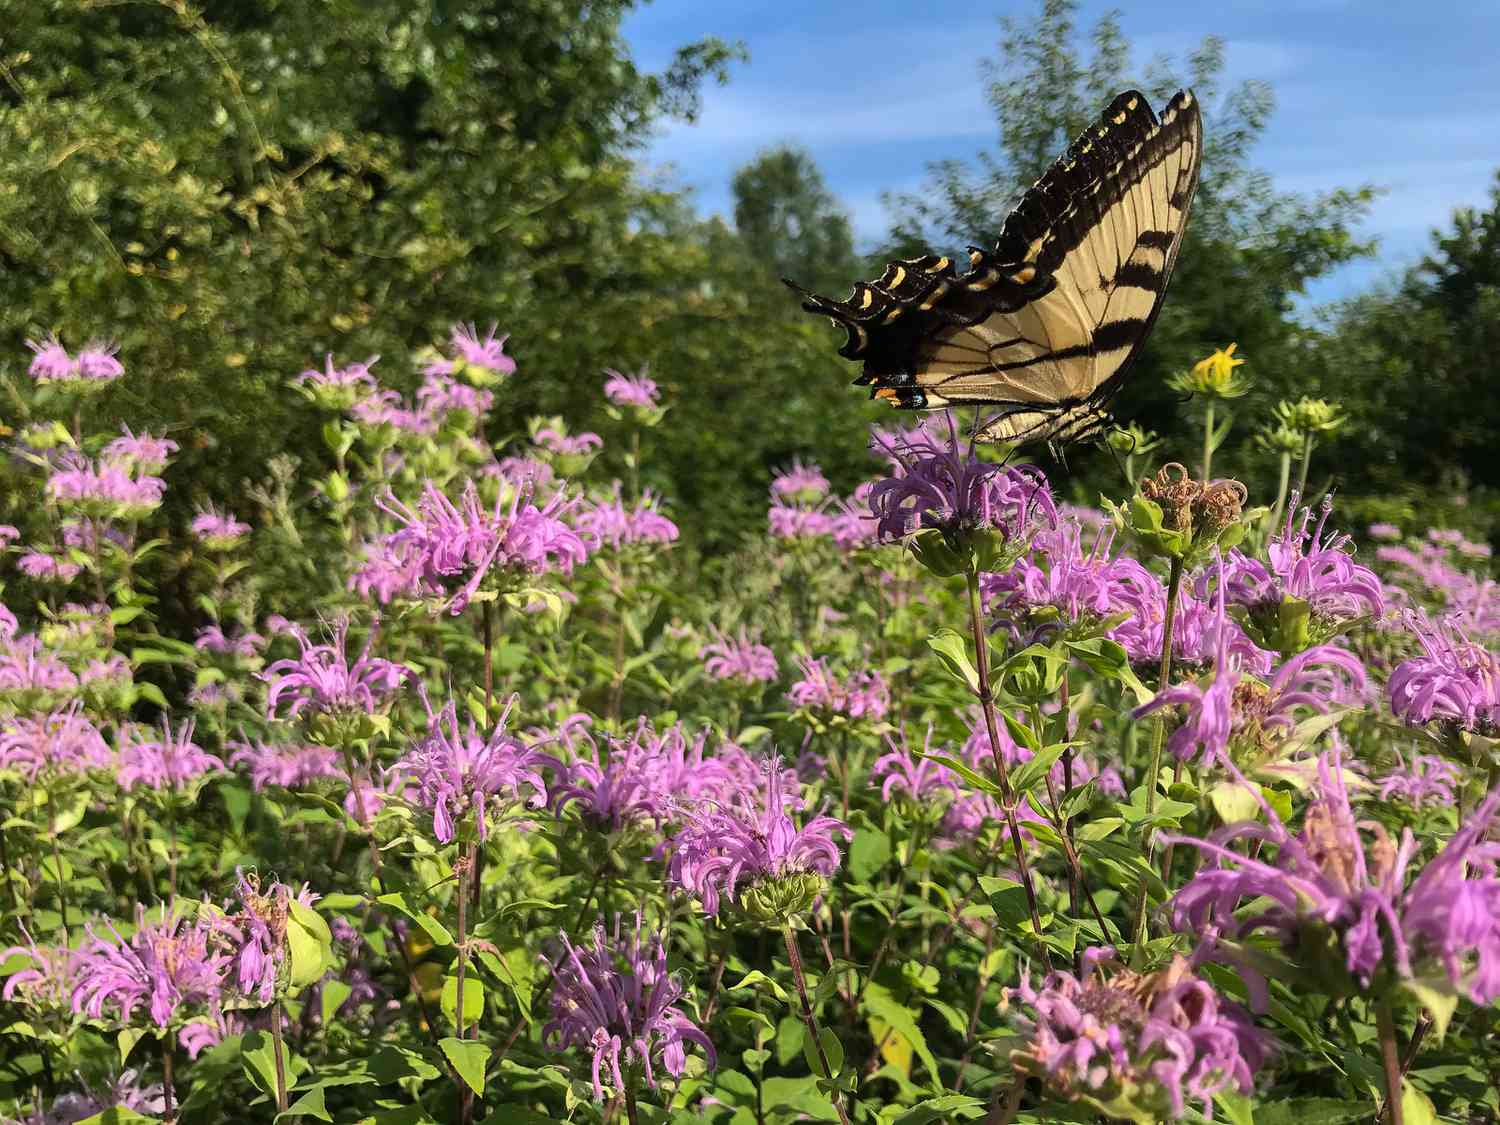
<point>1214,377</point>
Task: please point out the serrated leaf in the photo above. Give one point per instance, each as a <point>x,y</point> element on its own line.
<point>1438,997</point>
<point>756,977</point>
<point>468,1059</point>
<point>949,1107</point>
<point>473,999</point>
<point>335,992</point>
<point>434,929</point>
<point>1035,768</point>
<point>309,1104</point>
<point>952,648</point>
<point>964,770</point>
<point>881,1003</point>
<point>869,851</point>
<point>832,1048</point>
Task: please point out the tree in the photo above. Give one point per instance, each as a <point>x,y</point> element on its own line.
<point>788,220</point>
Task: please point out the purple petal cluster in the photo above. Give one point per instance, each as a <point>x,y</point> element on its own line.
<point>937,484</point>
<point>169,760</point>
<point>339,388</point>
<point>39,566</point>
<point>1325,875</point>
<point>456,772</point>
<point>1310,566</point>
<point>615,997</point>
<point>804,484</point>
<point>631,390</point>
<point>140,452</point>
<point>1426,779</point>
<point>95,364</point>
<point>899,770</point>
<point>262,925</point>
<point>487,353</point>
<point>610,523</point>
<point>241,645</point>
<point>106,488</point>
<point>172,968</point>
<point>861,695</point>
<point>1156,1041</point>
<point>218,531</point>
<point>323,681</point>
<point>1452,680</point>
<point>446,550</point>
<point>741,658</point>
<point>59,743</point>
<point>285,766</point>
<point>568,445</point>
<point>725,848</point>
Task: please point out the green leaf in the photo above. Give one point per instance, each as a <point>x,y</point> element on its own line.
<point>1035,768</point>
<point>1022,734</point>
<point>394,1064</point>
<point>831,1047</point>
<point>1238,1109</point>
<point>335,992</point>
<point>1416,1107</point>
<point>258,1059</point>
<point>308,955</point>
<point>952,648</point>
<point>881,1003</point>
<point>468,1059</point>
<point>949,1107</point>
<point>869,851</point>
<point>1437,996</point>
<point>756,977</point>
<point>128,1038</point>
<point>435,929</point>
<point>473,999</point>
<point>1233,802</point>
<point>309,1104</point>
<point>1312,1111</point>
<point>117,1115</point>
<point>964,770</point>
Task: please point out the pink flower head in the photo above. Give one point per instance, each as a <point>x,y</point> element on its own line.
<point>936,484</point>
<point>140,452</point>
<point>167,761</point>
<point>487,354</point>
<point>798,521</point>
<point>1386,532</point>
<point>862,695</point>
<point>97,363</point>
<point>852,524</point>
<point>610,523</point>
<point>630,390</point>
<point>242,645</point>
<point>726,848</point>
<point>42,567</point>
<point>61,742</point>
<point>568,445</point>
<point>1426,778</point>
<point>218,531</point>
<point>261,930</point>
<point>171,967</point>
<point>458,772</point>
<point>800,483</point>
<point>50,361</point>
<point>1452,680</point>
<point>103,489</point>
<point>615,997</point>
<point>441,395</point>
<point>1158,1039</point>
<point>921,778</point>
<point>644,777</point>
<point>741,658</point>
<point>339,388</point>
<point>285,766</point>
<point>323,681</point>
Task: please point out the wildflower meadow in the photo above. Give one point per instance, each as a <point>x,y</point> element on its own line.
<point>465,799</point>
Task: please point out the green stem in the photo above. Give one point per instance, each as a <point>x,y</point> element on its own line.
<point>630,1110</point>
<point>168,1049</point>
<point>811,1020</point>
<point>1208,439</point>
<point>62,894</point>
<point>1007,796</point>
<point>1286,476</point>
<point>1390,1060</point>
<point>278,1053</point>
<point>1307,451</point>
<point>465,862</point>
<point>1158,737</point>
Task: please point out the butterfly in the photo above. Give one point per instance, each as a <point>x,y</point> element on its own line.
<point>1043,327</point>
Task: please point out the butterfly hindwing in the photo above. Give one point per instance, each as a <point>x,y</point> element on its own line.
<point>1043,325</point>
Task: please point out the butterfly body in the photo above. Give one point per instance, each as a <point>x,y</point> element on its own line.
<point>1042,327</point>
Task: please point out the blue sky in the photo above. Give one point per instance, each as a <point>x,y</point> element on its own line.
<point>1402,95</point>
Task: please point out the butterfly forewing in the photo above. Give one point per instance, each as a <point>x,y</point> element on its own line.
<point>1045,324</point>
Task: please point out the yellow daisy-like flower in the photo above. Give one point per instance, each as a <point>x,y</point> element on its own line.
<point>1214,377</point>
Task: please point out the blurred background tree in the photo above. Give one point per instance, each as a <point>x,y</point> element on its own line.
<point>232,188</point>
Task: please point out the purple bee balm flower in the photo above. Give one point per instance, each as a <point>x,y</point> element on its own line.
<point>140,452</point>
<point>339,388</point>
<point>487,354</point>
<point>42,567</point>
<point>8,623</point>
<point>568,445</point>
<point>631,390</point>
<point>615,997</point>
<point>97,363</point>
<point>1325,876</point>
<point>56,744</point>
<point>800,483</point>
<point>262,926</point>
<point>1154,1041</point>
<point>458,772</point>
<point>441,395</point>
<point>1453,680</point>
<point>50,361</point>
<point>323,681</point>
<point>937,484</point>
<point>853,525</point>
<point>104,489</point>
<point>741,658</point>
<point>171,967</point>
<point>1387,532</point>
<point>31,677</point>
<point>242,646</point>
<point>638,779</point>
<point>387,408</point>
<point>168,761</point>
<point>218,531</point>
<point>443,546</point>
<point>734,850</point>
<point>921,778</point>
<point>126,1091</point>
<point>287,767</point>
<point>1309,566</point>
<point>610,522</point>
<point>798,521</point>
<point>862,695</point>
<point>46,985</point>
<point>1426,778</point>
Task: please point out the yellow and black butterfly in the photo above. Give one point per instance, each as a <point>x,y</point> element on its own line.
<point>1044,326</point>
